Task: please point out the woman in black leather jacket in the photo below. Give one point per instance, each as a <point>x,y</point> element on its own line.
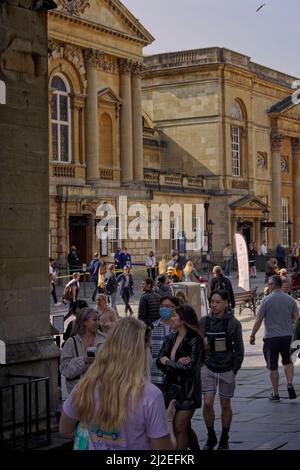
<point>179,360</point>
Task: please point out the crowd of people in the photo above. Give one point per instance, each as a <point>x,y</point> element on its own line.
<point>135,383</point>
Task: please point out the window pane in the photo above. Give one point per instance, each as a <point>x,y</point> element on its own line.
<point>54,141</point>
<point>63,108</point>
<point>58,84</point>
<point>64,143</point>
<point>235,151</point>
<point>54,106</point>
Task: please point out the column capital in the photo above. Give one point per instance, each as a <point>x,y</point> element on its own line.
<point>92,57</point>
<point>132,66</point>
<point>296,145</point>
<point>276,141</point>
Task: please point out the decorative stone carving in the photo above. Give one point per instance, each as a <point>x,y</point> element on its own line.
<point>125,65</point>
<point>296,145</point>
<point>71,53</point>
<point>108,64</point>
<point>92,56</point>
<point>276,141</point>
<point>261,161</point>
<point>284,164</point>
<point>138,68</point>
<point>73,7</point>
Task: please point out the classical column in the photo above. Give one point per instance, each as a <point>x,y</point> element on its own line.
<point>126,121</point>
<point>137,124</point>
<point>276,142</point>
<point>296,189</point>
<point>91,116</point>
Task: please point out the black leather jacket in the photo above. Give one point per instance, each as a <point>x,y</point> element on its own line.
<point>187,377</point>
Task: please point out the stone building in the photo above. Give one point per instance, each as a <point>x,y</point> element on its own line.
<point>101,144</point>
<point>235,124</point>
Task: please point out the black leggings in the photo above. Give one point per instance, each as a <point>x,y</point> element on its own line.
<point>126,297</point>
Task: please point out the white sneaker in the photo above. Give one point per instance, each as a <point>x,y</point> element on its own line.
<point>58,304</point>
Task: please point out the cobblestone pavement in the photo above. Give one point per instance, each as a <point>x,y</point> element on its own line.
<point>257,423</point>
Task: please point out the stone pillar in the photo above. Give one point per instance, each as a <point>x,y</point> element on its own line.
<point>137,124</point>
<point>24,197</point>
<point>296,189</point>
<point>126,122</point>
<point>91,117</point>
<point>276,142</point>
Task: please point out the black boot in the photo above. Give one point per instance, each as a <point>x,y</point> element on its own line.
<point>211,442</point>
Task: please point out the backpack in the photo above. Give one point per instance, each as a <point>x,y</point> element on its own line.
<point>221,284</point>
<point>110,286</point>
<point>68,294</point>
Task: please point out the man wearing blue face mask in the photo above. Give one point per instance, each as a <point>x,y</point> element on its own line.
<point>161,328</point>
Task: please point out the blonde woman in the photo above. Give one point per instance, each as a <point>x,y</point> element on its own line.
<point>190,274</point>
<point>181,296</point>
<point>163,265</point>
<point>101,278</point>
<point>116,406</point>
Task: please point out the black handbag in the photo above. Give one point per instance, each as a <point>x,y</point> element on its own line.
<point>173,392</point>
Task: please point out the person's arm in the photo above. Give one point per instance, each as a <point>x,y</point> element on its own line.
<point>142,309</point>
<point>255,329</point>
<point>74,288</point>
<point>162,443</point>
<point>67,425</point>
<point>231,294</point>
<point>238,355</point>
<point>189,363</point>
<point>70,365</point>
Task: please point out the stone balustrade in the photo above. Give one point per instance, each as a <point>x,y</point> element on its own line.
<point>63,170</point>
<point>176,181</point>
<point>106,174</point>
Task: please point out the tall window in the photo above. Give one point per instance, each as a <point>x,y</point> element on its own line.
<point>284,220</point>
<point>235,151</point>
<point>61,119</point>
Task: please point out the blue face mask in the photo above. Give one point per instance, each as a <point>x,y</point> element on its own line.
<point>165,312</point>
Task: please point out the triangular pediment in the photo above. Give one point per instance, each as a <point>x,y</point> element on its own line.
<point>111,15</point>
<point>107,94</point>
<point>248,202</point>
<point>287,107</point>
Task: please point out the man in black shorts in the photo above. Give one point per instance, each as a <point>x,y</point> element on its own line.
<point>279,312</point>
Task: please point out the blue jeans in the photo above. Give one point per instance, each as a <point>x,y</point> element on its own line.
<point>113,300</point>
<point>227,267</point>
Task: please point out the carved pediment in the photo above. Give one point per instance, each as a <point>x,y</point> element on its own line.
<point>293,112</point>
<point>287,108</point>
<point>248,202</point>
<point>108,95</point>
<point>110,15</point>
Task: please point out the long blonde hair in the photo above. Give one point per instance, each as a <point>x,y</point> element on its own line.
<point>162,265</point>
<point>120,369</point>
<point>188,268</point>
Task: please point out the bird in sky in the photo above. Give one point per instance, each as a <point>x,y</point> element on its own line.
<point>260,7</point>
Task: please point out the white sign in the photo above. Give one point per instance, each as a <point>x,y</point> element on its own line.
<point>2,92</point>
<point>242,259</point>
<point>84,267</point>
<point>58,323</point>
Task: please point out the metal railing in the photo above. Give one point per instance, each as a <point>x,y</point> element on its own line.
<point>24,412</point>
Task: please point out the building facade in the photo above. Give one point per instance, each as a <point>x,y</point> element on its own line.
<point>236,124</point>
<point>101,144</point>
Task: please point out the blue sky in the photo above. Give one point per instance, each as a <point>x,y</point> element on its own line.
<point>270,37</point>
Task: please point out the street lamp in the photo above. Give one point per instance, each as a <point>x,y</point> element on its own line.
<point>266,213</point>
<point>210,229</point>
<point>289,224</point>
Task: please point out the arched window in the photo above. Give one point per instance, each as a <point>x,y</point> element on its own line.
<point>61,119</point>
<point>236,113</point>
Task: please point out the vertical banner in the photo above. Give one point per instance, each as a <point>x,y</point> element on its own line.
<point>242,259</point>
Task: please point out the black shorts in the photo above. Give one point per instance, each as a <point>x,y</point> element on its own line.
<point>275,346</point>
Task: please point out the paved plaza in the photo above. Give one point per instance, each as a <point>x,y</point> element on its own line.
<point>257,423</point>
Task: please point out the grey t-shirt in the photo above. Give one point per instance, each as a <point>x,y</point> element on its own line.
<point>277,311</point>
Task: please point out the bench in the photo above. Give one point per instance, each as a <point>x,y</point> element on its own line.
<point>247,299</point>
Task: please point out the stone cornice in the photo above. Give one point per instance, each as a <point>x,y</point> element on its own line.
<point>97,27</point>
<point>276,141</point>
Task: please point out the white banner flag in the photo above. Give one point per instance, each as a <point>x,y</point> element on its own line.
<point>242,259</point>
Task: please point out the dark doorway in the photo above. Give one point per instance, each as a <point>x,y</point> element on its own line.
<point>78,226</point>
<point>246,231</point>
